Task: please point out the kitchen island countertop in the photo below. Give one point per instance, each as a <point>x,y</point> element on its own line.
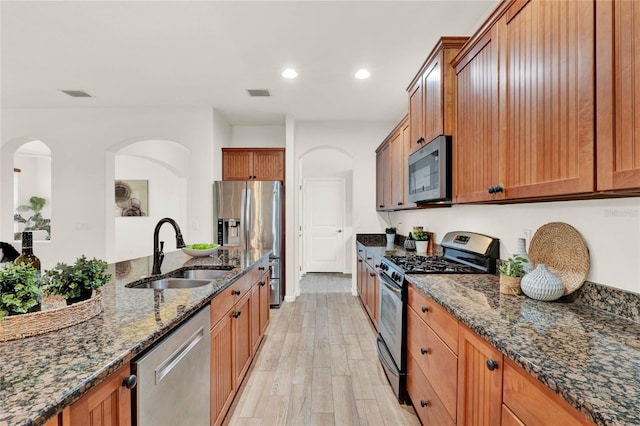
<point>41,375</point>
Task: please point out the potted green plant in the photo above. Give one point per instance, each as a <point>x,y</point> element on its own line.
<point>422,241</point>
<point>19,289</point>
<point>391,234</point>
<point>511,272</point>
<point>76,282</point>
<point>33,219</point>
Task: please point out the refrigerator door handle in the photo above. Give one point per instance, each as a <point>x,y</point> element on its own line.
<point>243,219</point>
<point>246,212</point>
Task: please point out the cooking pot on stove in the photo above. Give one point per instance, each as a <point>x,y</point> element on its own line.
<point>409,242</point>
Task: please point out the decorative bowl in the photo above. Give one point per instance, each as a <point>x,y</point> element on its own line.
<point>199,252</point>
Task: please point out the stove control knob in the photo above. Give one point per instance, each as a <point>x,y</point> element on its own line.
<point>384,266</point>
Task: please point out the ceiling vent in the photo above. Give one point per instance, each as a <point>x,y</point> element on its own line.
<point>258,93</point>
<point>77,93</point>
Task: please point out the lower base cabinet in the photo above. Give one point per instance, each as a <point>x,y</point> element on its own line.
<point>236,336</point>
<point>109,403</point>
<point>425,400</point>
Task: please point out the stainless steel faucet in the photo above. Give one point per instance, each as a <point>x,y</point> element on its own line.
<point>158,246</point>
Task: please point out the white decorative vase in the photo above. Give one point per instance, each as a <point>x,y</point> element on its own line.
<point>422,246</point>
<point>542,284</point>
<point>391,238</point>
<point>522,252</point>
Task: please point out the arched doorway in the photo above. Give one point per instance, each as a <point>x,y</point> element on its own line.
<point>149,182</point>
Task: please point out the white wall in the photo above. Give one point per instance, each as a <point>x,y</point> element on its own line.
<point>167,198</point>
<point>358,141</point>
<point>221,138</point>
<point>258,136</point>
<point>83,144</point>
<point>611,229</point>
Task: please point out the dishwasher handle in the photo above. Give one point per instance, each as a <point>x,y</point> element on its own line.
<point>174,359</point>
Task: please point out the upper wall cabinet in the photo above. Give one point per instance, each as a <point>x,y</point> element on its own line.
<point>618,94</point>
<point>526,104</point>
<point>391,169</point>
<point>253,164</point>
<point>432,94</point>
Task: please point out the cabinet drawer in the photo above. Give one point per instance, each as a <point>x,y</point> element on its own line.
<point>221,304</point>
<point>442,322</point>
<point>508,418</point>
<point>258,271</point>
<point>430,409</point>
<point>534,403</point>
<point>435,359</point>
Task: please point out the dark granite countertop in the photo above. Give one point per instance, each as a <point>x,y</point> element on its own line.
<point>41,375</point>
<point>589,357</point>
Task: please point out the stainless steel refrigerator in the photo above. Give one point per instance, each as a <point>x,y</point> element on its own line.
<point>248,215</point>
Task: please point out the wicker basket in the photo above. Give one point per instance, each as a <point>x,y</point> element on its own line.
<point>27,325</point>
<point>510,285</point>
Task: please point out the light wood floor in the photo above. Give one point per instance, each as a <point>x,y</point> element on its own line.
<point>318,366</point>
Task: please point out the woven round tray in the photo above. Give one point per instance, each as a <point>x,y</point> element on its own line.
<point>27,325</point>
<point>561,247</point>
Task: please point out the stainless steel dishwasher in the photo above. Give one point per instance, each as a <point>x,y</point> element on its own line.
<point>173,378</point>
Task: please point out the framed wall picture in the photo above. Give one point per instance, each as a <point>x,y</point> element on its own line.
<point>132,198</point>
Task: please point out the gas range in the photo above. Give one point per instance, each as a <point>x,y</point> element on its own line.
<point>463,253</point>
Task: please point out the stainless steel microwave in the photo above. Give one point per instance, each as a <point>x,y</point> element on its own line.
<point>430,172</point>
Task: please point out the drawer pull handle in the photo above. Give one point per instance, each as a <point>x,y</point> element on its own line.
<point>424,403</point>
<point>491,364</point>
<point>236,292</point>
<point>425,309</point>
<point>424,351</point>
<point>237,314</point>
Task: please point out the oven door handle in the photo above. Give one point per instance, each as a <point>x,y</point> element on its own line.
<point>382,358</point>
<point>391,285</point>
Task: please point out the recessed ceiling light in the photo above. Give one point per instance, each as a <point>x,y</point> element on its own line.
<point>289,73</point>
<point>362,74</point>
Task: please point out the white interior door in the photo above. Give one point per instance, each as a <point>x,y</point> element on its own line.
<point>323,218</point>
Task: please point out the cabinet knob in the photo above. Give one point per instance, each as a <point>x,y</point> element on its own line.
<point>400,203</point>
<point>359,260</point>
<point>236,292</point>
<point>369,258</point>
<point>492,364</point>
<point>420,140</point>
<point>263,283</point>
<point>424,403</point>
<point>130,382</point>
<point>425,309</point>
<point>261,268</point>
<point>372,274</point>
<point>381,206</point>
<point>424,351</point>
<point>237,314</point>
<point>495,189</point>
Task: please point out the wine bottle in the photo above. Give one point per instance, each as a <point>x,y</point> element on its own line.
<point>27,256</point>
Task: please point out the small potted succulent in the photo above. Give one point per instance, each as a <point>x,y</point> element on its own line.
<point>19,289</point>
<point>511,272</point>
<point>76,282</point>
<point>391,234</point>
<point>422,241</point>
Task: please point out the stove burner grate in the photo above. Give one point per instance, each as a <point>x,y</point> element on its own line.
<point>431,264</point>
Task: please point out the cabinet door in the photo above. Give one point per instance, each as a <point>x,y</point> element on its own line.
<point>382,164</point>
<point>242,337</point>
<point>361,278</point>
<point>268,165</point>
<point>237,165</point>
<point>255,317</point>
<point>618,94</point>
<point>406,150</point>
<point>547,58</point>
<point>479,381</point>
<point>223,383</point>
<point>370,293</point>
<point>396,197</point>
<point>265,301</point>
<point>432,92</point>
<point>416,116</point>
<point>476,147</point>
<point>107,404</point>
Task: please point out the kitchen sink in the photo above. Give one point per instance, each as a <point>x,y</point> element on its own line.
<point>173,283</point>
<point>205,274</point>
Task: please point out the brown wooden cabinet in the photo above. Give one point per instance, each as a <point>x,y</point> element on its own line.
<point>392,187</point>
<point>239,317</point>
<point>432,95</point>
<point>107,404</point>
<point>526,104</point>
<point>253,164</point>
<point>479,380</point>
<point>618,95</point>
<point>367,283</point>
